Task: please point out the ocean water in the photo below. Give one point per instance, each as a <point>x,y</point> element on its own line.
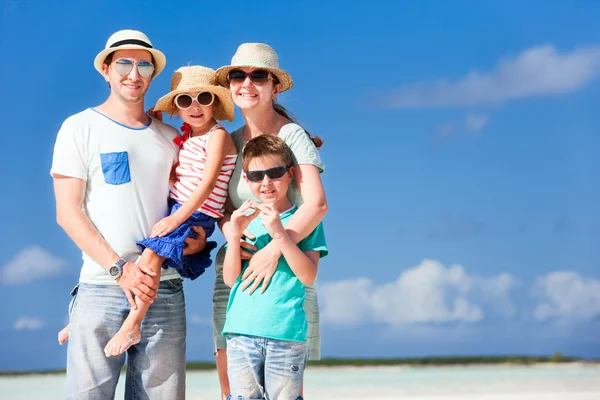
<point>569,382</point>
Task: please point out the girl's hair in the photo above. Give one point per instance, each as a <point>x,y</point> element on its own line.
<point>266,145</point>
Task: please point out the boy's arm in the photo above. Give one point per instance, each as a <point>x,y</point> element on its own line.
<point>232,265</point>
<point>304,264</point>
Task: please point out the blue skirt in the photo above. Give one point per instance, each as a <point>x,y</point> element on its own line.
<point>171,246</point>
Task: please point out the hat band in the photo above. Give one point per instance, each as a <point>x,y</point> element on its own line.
<point>131,41</point>
<point>254,64</point>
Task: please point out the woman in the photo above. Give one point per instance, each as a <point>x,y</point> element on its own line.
<point>255,80</point>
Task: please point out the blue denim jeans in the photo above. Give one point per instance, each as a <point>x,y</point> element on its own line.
<point>155,366</point>
<point>262,368</point>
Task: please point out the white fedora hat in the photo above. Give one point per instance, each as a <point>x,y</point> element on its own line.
<point>256,55</point>
<point>134,40</point>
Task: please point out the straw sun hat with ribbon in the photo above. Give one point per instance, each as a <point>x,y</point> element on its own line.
<point>256,55</point>
<point>130,40</point>
<point>195,78</point>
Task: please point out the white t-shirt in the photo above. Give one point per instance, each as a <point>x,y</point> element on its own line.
<point>127,174</point>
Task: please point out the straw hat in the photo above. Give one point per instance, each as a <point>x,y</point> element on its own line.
<point>256,55</point>
<point>195,78</point>
<point>133,40</point>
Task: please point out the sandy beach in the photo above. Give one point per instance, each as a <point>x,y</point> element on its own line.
<point>510,382</point>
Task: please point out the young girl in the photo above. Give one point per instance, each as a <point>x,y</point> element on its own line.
<point>206,161</point>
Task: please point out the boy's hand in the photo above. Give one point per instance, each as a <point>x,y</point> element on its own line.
<point>164,227</point>
<point>269,217</point>
<point>240,219</point>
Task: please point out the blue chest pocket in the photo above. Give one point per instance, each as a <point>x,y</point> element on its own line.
<point>115,167</point>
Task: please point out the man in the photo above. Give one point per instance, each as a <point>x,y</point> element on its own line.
<point>111,170</point>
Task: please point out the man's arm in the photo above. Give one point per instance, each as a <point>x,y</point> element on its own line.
<point>70,196</point>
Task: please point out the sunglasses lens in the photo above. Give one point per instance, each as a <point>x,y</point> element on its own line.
<point>183,101</point>
<point>276,173</point>
<point>123,67</point>
<point>205,98</point>
<point>236,76</point>
<point>255,176</point>
<point>259,77</point>
<point>145,69</point>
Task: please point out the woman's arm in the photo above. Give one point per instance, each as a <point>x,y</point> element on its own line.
<point>301,224</point>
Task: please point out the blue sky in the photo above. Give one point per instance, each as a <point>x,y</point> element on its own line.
<point>461,151</point>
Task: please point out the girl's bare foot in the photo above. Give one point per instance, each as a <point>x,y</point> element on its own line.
<point>63,335</point>
<point>124,339</point>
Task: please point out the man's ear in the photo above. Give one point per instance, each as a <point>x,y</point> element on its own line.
<point>105,71</point>
<point>244,175</point>
<point>291,171</point>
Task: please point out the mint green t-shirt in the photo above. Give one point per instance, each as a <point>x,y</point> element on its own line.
<point>303,150</point>
<point>278,313</point>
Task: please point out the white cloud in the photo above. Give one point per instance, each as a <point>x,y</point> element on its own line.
<point>475,123</point>
<point>566,294</point>
<point>29,324</point>
<point>427,293</point>
<point>536,71</point>
<point>30,264</point>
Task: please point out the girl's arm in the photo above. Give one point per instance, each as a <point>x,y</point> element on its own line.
<point>219,145</point>
<point>301,224</point>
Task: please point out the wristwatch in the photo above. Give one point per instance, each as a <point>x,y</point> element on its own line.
<point>116,269</point>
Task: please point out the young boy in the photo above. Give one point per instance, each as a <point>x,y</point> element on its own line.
<point>266,332</point>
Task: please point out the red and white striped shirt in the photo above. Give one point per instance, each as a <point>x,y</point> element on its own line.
<point>189,172</point>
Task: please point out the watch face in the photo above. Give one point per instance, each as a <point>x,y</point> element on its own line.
<point>114,271</point>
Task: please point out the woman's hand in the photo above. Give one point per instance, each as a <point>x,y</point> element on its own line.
<point>261,268</point>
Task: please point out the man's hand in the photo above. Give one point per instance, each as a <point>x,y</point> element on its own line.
<point>195,245</point>
<point>139,280</point>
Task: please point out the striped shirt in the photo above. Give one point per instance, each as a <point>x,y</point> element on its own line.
<point>190,169</point>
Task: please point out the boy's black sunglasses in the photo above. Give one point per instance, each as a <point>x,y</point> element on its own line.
<point>272,173</point>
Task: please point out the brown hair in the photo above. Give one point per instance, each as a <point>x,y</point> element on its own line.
<point>266,145</point>
<point>281,110</point>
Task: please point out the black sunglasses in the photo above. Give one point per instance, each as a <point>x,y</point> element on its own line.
<point>272,173</point>
<point>258,77</point>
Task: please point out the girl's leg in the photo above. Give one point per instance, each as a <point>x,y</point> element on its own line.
<point>129,334</point>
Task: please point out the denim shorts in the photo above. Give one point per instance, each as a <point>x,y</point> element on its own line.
<point>262,368</point>
<point>155,366</point>
<point>221,298</point>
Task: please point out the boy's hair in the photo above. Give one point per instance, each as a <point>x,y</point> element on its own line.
<point>266,145</point>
